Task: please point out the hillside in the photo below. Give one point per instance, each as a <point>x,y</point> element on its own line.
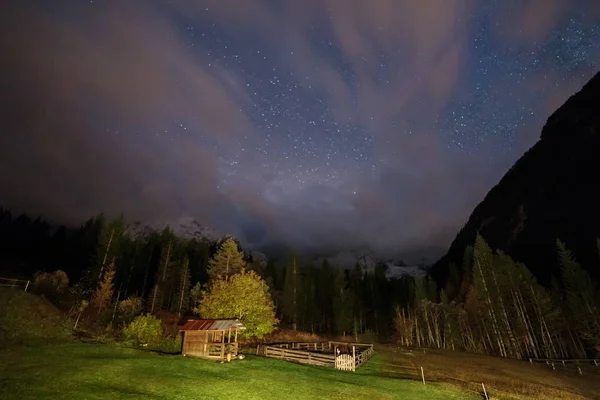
<point>29,319</point>
<point>553,191</point>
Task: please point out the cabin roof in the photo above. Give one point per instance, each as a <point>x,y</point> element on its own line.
<point>211,325</point>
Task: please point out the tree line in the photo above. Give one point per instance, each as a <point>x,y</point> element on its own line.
<point>490,304</point>
<point>500,309</point>
<point>107,264</point>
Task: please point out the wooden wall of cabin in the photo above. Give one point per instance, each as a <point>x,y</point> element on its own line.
<point>195,343</point>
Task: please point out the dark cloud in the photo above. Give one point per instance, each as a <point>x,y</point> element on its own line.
<point>95,99</point>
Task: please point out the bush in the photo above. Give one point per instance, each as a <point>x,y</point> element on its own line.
<point>171,345</point>
<point>51,284</point>
<point>148,331</point>
<point>144,330</point>
<point>130,308</point>
<point>368,336</point>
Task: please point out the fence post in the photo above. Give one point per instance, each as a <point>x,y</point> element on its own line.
<point>485,392</point>
<point>423,375</point>
<point>353,358</point>
<point>26,286</point>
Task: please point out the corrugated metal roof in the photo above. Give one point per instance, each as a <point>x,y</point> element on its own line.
<point>211,325</point>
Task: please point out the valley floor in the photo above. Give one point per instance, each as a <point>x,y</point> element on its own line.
<point>93,371</point>
<point>503,378</point>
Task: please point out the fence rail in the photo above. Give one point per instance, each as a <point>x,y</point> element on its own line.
<point>15,283</point>
<point>325,354</point>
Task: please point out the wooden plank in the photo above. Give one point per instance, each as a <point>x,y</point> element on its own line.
<point>290,351</point>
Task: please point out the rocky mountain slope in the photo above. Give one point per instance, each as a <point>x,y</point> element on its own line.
<point>553,191</point>
<point>368,262</point>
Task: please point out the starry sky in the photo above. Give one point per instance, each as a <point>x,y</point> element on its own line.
<point>319,124</point>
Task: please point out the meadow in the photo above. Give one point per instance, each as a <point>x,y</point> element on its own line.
<point>97,371</point>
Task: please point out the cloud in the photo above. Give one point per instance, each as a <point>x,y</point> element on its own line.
<point>92,94</point>
<point>72,83</point>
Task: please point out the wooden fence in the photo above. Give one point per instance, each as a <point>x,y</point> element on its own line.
<point>308,353</point>
<point>345,362</point>
<point>300,356</point>
<point>569,364</point>
<point>15,283</point>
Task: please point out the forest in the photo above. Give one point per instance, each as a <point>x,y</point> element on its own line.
<point>490,304</point>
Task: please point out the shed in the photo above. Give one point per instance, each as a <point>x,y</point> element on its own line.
<point>211,338</point>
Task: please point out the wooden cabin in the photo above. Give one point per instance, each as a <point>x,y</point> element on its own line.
<point>211,338</point>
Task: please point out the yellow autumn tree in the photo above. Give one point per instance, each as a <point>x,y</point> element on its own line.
<point>105,289</point>
<point>244,296</point>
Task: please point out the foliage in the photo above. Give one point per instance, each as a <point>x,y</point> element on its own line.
<point>581,296</point>
<point>144,330</point>
<point>27,319</point>
<point>244,296</point>
<point>168,345</point>
<point>82,307</point>
<point>228,260</point>
<point>342,304</point>
<point>105,289</point>
<point>51,284</point>
<point>130,308</point>
<point>292,290</point>
<point>505,312</point>
<point>183,288</point>
<point>368,336</point>
<point>195,294</point>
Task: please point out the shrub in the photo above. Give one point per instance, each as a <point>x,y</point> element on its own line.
<point>50,284</point>
<point>144,329</point>
<point>368,336</point>
<point>130,308</point>
<point>167,344</point>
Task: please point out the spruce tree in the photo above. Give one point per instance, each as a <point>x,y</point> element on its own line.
<point>183,292</point>
<point>292,290</point>
<point>228,260</point>
<point>342,304</point>
<point>580,294</point>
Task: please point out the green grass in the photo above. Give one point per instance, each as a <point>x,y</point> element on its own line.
<point>93,371</point>
<point>29,319</point>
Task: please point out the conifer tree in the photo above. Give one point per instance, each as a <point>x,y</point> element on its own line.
<point>105,289</point>
<point>291,290</point>
<point>342,304</point>
<point>158,292</point>
<point>228,260</point>
<point>183,292</point>
<point>580,294</point>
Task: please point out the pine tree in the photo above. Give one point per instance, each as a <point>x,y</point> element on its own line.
<point>580,294</point>
<point>228,260</point>
<point>195,294</point>
<point>309,304</point>
<point>291,290</point>
<point>183,293</point>
<point>158,293</point>
<point>105,289</point>
<point>342,304</point>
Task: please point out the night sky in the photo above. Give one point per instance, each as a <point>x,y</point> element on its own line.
<point>371,124</point>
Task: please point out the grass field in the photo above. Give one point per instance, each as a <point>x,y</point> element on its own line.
<point>93,371</point>
<point>504,378</point>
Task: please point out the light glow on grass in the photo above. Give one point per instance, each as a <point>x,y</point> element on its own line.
<point>90,371</point>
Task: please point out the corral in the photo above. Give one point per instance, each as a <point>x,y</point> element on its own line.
<point>340,355</point>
